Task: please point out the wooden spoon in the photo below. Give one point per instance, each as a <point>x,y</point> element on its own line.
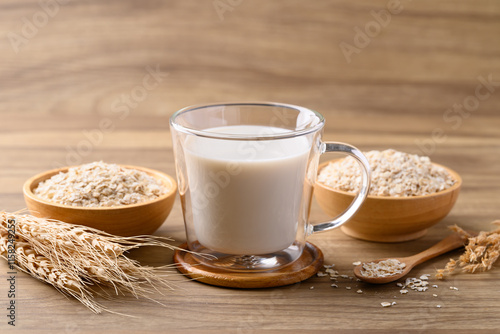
<point>449,243</point>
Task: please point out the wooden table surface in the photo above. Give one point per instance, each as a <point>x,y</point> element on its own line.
<point>425,80</point>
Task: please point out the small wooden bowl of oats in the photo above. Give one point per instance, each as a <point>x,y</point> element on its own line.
<point>403,202</point>
<point>118,199</point>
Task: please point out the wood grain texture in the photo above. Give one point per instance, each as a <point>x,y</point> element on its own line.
<point>92,63</point>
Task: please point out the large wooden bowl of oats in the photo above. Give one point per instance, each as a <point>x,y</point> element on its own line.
<point>118,199</point>
<point>408,195</point>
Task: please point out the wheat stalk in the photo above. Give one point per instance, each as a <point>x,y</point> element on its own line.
<point>481,252</point>
<point>79,261</point>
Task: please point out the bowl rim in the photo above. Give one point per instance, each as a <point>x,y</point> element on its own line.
<point>453,188</point>
<point>43,176</point>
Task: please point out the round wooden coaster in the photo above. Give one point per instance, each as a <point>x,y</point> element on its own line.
<point>304,267</point>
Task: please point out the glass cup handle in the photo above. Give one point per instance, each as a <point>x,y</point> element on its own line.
<point>360,197</point>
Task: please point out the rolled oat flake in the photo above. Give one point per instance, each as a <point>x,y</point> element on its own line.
<point>99,184</point>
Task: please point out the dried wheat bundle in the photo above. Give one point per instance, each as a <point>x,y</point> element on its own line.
<point>80,261</point>
<point>481,252</point>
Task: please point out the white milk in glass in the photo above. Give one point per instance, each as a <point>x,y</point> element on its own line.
<point>246,195</point>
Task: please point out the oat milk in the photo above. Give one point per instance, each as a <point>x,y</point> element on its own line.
<point>246,195</point>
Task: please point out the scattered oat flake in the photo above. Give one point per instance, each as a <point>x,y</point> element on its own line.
<point>311,288</point>
<point>403,291</point>
<point>453,288</point>
<point>416,284</point>
<point>435,286</point>
<point>359,291</point>
<point>386,304</point>
<point>424,277</point>
<point>348,288</point>
<point>321,274</point>
<point>393,303</point>
<point>357,263</point>
<point>399,284</point>
<point>438,306</point>
<point>334,286</point>
<point>344,276</point>
<point>434,295</point>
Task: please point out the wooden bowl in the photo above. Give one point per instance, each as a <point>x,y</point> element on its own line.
<point>126,220</point>
<point>389,219</point>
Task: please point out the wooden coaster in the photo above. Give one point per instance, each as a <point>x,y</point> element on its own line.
<point>304,267</point>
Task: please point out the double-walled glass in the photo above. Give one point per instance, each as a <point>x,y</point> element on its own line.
<point>245,173</point>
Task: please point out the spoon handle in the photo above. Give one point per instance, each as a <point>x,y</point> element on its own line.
<point>449,243</point>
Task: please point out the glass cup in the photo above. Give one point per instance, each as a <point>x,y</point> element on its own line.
<point>245,174</point>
